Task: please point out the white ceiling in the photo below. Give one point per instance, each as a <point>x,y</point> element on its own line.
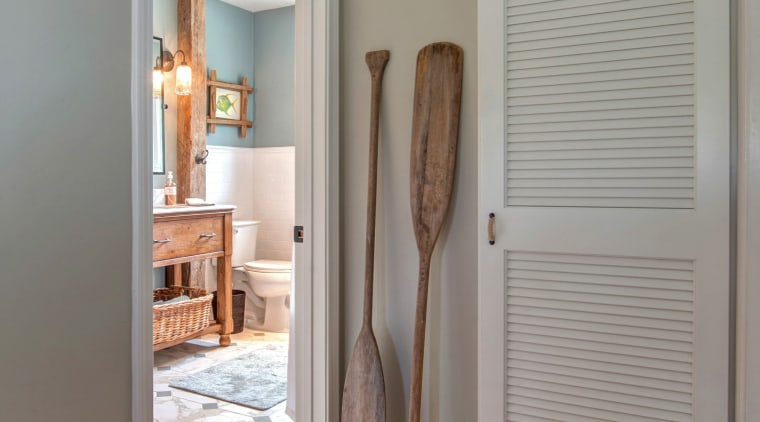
<point>259,5</point>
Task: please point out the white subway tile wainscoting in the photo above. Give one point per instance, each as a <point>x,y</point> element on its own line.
<point>261,183</point>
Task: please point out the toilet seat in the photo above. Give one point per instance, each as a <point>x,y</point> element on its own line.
<point>268,266</point>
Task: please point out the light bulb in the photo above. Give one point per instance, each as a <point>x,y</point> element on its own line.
<point>158,82</point>
<point>184,80</point>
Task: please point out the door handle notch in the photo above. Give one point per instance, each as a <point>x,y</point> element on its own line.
<point>491,229</point>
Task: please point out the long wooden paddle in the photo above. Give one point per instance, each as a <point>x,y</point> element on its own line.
<point>435,129</point>
<point>364,387</point>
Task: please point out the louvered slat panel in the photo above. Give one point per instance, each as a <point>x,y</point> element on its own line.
<point>581,135</point>
<point>599,86</point>
<point>650,148</point>
<point>626,340</point>
<point>521,7</point>
<point>631,113</point>
<point>601,261</point>
<point>600,103</point>
<point>607,395</point>
<point>624,382</point>
<point>615,202</point>
<point>612,163</point>
<point>602,57</point>
<point>602,67</point>
<point>620,359</point>
<point>616,95</point>
<point>607,269</point>
<point>586,17</point>
<point>625,320</point>
<point>519,413</point>
<point>603,144</point>
<point>567,9</point>
<point>601,183</point>
<point>603,289</point>
<point>598,280</point>
<point>593,38</point>
<point>597,337</point>
<point>674,396</point>
<point>596,407</point>
<point>612,75</point>
<point>605,46</point>
<point>598,309</point>
<point>600,27</point>
<point>664,173</point>
<point>569,406</point>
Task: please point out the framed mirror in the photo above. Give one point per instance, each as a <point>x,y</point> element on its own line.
<point>158,112</point>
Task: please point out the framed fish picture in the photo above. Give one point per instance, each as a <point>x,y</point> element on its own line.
<point>228,104</point>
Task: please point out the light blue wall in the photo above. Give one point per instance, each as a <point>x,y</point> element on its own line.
<point>274,68</point>
<point>229,51</point>
<point>239,43</point>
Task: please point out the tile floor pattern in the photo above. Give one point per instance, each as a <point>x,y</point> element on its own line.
<point>173,405</point>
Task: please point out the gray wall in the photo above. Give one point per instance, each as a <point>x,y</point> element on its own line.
<point>274,70</point>
<point>403,27</point>
<point>65,219</point>
<point>229,51</point>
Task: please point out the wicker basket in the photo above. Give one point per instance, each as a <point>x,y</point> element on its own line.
<point>177,320</point>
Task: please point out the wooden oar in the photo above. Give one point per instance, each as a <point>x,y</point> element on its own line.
<point>364,387</point>
<point>435,129</point>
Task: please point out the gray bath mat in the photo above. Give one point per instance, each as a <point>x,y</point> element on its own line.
<point>257,379</point>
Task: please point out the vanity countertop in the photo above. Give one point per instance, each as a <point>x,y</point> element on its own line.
<point>176,209</point>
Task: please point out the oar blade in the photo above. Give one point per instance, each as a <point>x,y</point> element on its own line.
<point>435,130</point>
<point>364,387</point>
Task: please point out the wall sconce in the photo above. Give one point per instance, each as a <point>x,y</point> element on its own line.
<point>165,63</point>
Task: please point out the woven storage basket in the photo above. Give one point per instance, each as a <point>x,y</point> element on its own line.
<point>176,320</point>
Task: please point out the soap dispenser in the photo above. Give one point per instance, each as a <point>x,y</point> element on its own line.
<point>170,189</point>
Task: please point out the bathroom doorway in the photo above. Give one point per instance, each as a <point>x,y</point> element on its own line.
<point>315,198</point>
<point>254,170</point>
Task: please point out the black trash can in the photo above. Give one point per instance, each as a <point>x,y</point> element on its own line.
<point>238,310</point>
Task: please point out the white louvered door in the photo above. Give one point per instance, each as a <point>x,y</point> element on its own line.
<point>604,156</point>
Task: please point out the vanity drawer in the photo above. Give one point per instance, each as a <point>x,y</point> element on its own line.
<point>187,237</point>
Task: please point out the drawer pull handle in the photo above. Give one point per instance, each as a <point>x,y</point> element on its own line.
<point>167,240</point>
<point>208,234</point>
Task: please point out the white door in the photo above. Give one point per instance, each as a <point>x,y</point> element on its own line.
<point>604,156</point>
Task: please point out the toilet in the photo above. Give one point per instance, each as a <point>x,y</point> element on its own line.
<point>266,282</point>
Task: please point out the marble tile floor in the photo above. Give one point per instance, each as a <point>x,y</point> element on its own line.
<point>173,405</point>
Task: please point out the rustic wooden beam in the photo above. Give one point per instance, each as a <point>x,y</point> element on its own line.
<point>191,109</point>
<point>191,117</point>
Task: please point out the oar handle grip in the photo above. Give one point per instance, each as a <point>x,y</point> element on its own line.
<point>376,61</point>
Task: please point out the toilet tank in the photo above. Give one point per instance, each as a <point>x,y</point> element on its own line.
<point>244,241</point>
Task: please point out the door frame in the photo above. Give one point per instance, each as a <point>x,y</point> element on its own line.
<point>748,209</point>
<point>316,129</point>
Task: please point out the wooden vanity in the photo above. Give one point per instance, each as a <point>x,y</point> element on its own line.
<point>183,234</point>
